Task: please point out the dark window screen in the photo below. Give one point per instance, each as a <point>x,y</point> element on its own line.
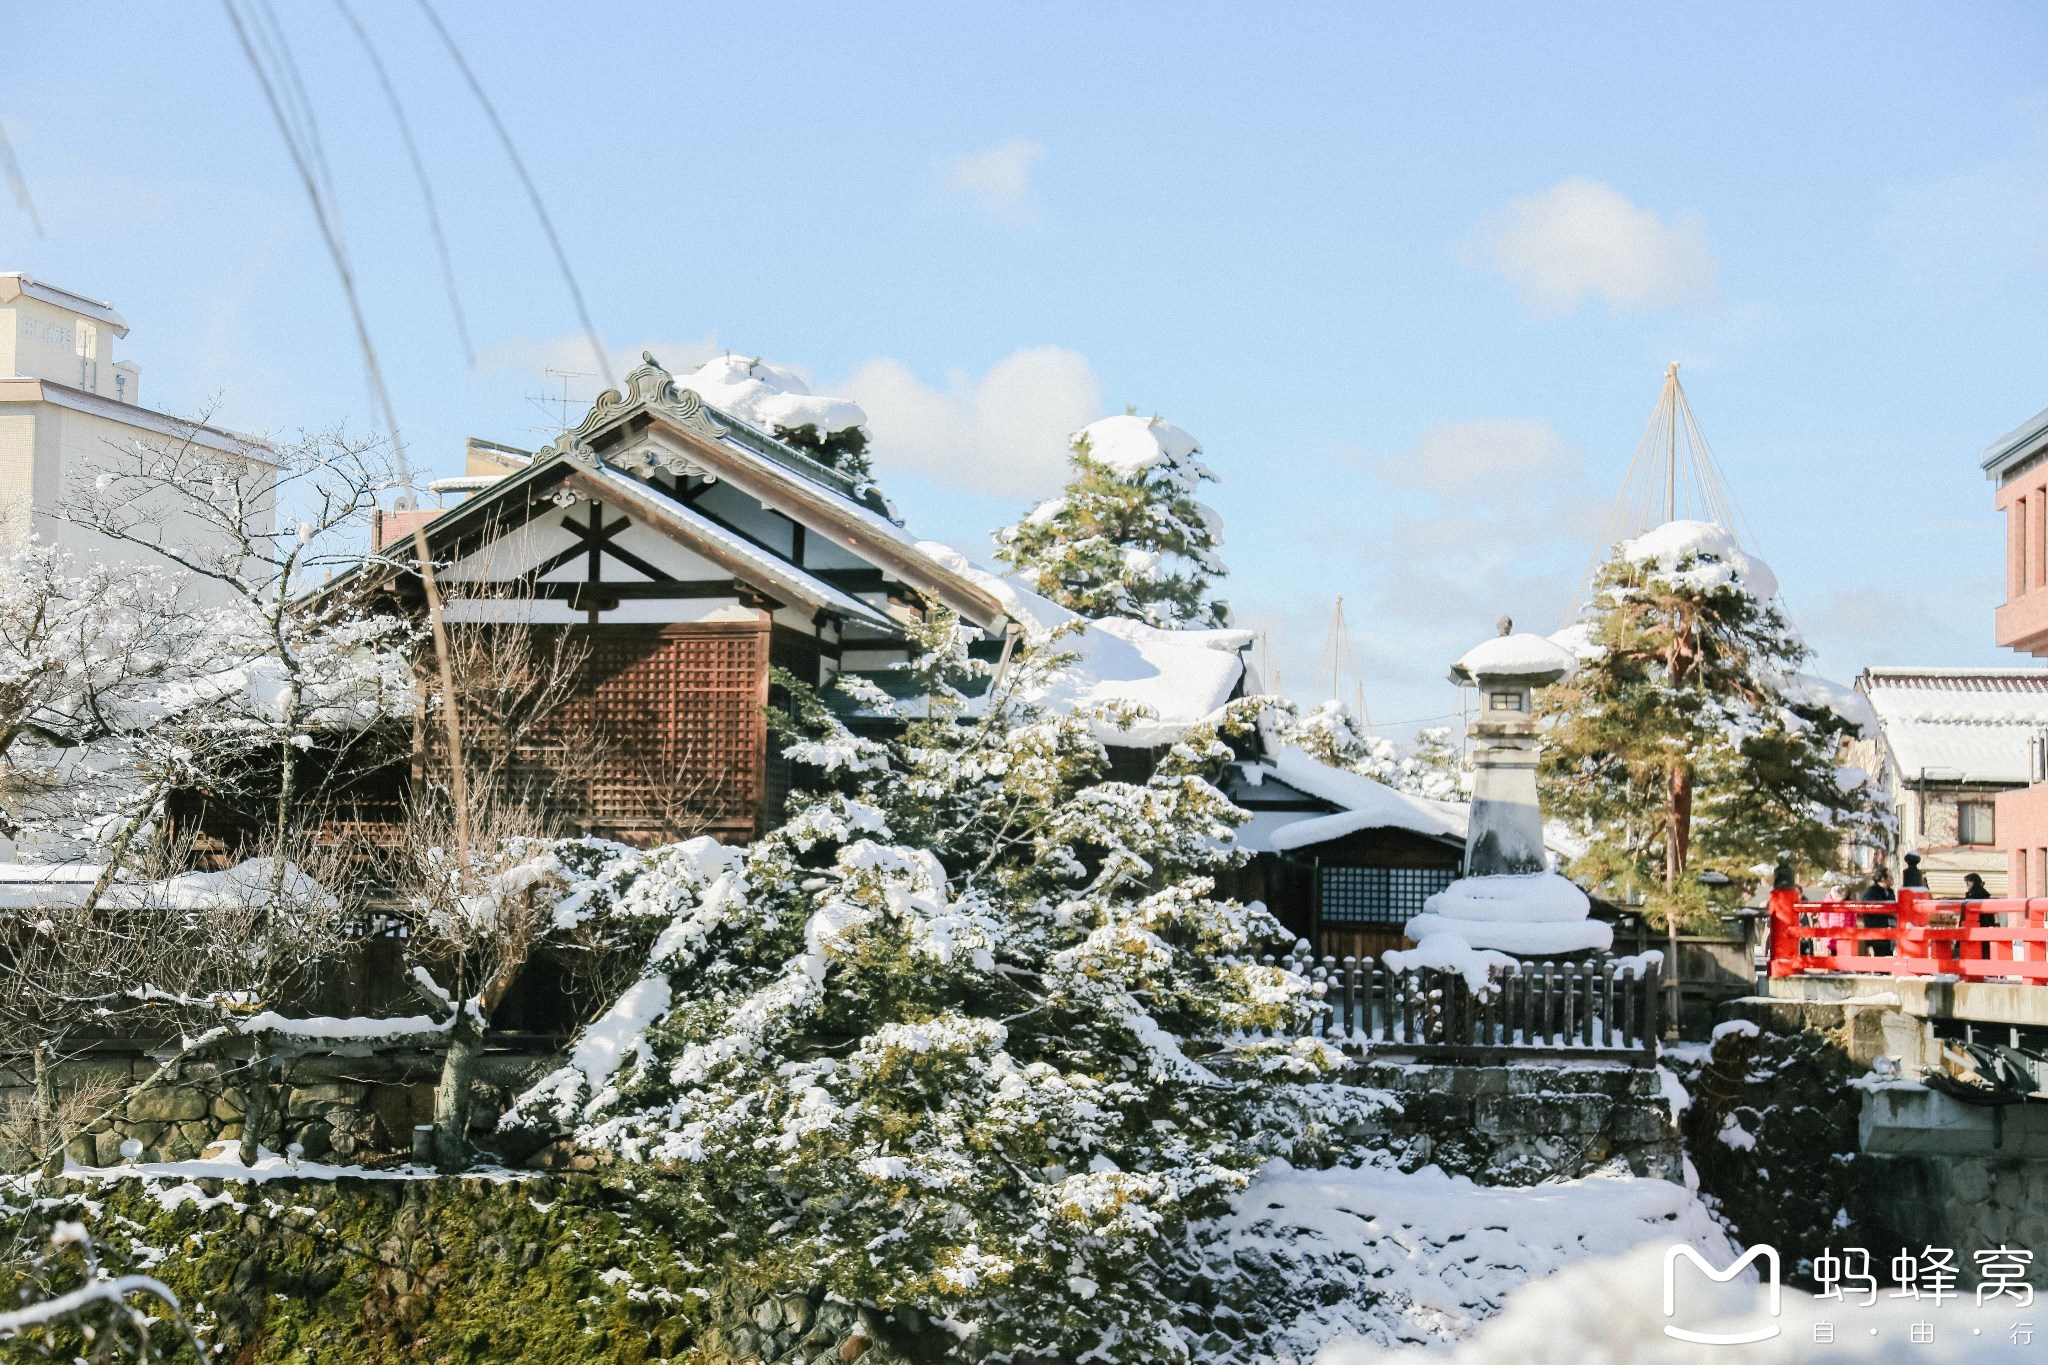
<point>1379,895</point>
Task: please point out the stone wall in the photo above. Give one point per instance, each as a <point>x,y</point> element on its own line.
<point>1524,1122</point>
<point>340,1109</point>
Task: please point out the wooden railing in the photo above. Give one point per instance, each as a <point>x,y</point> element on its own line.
<point>1601,1006</point>
<point>1914,935</point>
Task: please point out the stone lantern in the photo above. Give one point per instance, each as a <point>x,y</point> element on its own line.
<point>1506,833</point>
<point>1508,900</point>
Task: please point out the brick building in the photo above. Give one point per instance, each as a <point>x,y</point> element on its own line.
<point>2017,464</point>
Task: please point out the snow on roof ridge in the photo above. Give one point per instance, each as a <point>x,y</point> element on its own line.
<point>1367,804</point>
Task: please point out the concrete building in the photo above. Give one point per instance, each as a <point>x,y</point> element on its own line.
<point>1950,741</point>
<point>66,403</point>
<point>2017,464</point>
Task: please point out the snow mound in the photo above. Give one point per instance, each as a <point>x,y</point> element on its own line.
<point>1446,952</point>
<point>1610,1309</point>
<point>1130,445</point>
<point>1540,897</point>
<point>1521,655</point>
<point>1701,556</point>
<point>1510,936</point>
<point>768,396</point>
<point>1179,676</point>
<point>1378,1259</point>
<point>1540,912</point>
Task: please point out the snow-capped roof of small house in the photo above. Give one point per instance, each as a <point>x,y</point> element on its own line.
<point>1958,724</point>
<point>1364,804</point>
<point>1180,676</point>
<point>1520,655</point>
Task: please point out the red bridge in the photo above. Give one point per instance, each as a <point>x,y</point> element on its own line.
<point>1916,935</point>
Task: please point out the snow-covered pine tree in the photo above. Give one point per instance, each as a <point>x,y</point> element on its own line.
<point>1126,537</point>
<point>970,1034</point>
<point>1688,735</point>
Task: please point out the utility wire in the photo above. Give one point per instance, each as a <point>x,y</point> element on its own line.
<point>419,170</point>
<point>458,780</point>
<point>604,364</point>
<point>18,182</point>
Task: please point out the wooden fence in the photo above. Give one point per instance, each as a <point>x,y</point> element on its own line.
<point>1596,1007</point>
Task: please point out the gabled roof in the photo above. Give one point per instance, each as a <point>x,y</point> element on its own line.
<point>623,441</point>
<point>1958,724</point>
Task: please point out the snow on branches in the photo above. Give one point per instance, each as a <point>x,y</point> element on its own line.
<point>1127,536</point>
<point>970,1031</point>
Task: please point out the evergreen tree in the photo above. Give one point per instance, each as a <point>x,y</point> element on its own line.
<point>969,1035</point>
<point>1688,736</point>
<point>1126,537</point>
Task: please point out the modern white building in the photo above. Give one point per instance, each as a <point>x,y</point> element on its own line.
<point>66,404</point>
<point>1949,741</point>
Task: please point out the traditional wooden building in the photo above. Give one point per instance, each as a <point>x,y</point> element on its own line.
<point>690,552</point>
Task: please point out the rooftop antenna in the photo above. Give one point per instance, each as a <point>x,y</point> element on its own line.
<point>558,406</point>
<point>1673,477</point>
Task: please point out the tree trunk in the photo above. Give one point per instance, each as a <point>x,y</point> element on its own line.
<point>452,1100</point>
<point>255,1100</point>
<point>49,1135</point>
<point>1677,826</point>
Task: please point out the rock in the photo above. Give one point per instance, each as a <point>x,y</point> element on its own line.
<point>854,1347</point>
<point>167,1105</point>
<point>106,1149</point>
<point>228,1105</point>
<point>796,1311</point>
<point>561,1156</point>
<point>768,1315</point>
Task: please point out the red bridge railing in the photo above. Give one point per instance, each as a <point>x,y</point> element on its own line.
<point>1915,935</point>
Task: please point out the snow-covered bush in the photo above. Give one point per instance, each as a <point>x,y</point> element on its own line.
<point>967,1034</point>
<point>1127,536</point>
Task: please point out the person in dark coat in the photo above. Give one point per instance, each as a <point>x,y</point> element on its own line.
<point>1880,890</point>
<point>1973,888</point>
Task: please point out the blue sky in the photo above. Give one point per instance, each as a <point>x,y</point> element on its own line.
<point>1411,274</point>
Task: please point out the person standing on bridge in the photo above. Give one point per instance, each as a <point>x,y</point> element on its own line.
<point>1879,890</point>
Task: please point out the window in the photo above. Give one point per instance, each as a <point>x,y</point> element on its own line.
<point>1379,895</point>
<point>1973,822</point>
<point>1510,700</point>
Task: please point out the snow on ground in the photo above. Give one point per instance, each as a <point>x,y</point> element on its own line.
<point>1389,1258</point>
<point>1609,1310</point>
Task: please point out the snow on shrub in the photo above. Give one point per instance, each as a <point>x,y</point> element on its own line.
<point>965,1034</point>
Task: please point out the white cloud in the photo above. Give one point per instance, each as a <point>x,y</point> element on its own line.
<point>1493,459</point>
<point>996,181</point>
<point>1581,239</point>
<point>1003,434</point>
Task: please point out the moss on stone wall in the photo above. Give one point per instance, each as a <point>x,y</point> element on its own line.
<point>356,1271</point>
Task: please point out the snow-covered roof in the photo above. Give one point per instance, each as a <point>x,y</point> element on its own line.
<point>1181,676</point>
<point>1701,555</point>
<point>1521,655</point>
<point>1956,724</point>
<point>1366,804</point>
<point>769,396</point>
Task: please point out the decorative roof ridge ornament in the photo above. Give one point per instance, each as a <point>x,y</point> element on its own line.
<point>649,386</point>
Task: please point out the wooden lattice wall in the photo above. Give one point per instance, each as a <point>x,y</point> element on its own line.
<point>677,710</point>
